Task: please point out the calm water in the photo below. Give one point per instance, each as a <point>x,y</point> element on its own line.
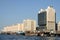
<point>20,37</point>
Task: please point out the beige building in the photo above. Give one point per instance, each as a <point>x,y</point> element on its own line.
<point>21,27</point>
<point>14,28</point>
<point>47,19</point>
<point>58,26</point>
<point>29,25</point>
<point>51,18</point>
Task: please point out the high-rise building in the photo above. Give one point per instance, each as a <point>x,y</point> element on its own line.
<point>47,19</point>
<point>29,25</point>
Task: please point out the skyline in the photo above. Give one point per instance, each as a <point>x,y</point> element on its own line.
<point>14,11</point>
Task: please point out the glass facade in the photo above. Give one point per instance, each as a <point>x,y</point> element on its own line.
<point>42,19</point>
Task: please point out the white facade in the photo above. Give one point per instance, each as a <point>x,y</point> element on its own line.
<point>51,18</point>
<point>29,25</point>
<point>14,28</point>
<point>21,27</point>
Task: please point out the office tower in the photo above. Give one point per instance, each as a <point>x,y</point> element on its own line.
<point>42,19</point>
<point>47,19</point>
<point>29,25</point>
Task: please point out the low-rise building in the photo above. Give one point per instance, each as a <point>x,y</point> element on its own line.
<point>27,25</point>
<point>14,28</point>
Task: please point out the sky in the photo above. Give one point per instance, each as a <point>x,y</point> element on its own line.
<point>15,11</point>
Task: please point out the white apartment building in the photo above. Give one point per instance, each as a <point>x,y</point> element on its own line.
<point>14,28</point>
<point>29,25</point>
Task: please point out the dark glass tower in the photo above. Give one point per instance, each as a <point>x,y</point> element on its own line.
<point>42,20</point>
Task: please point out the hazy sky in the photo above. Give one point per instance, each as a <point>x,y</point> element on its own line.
<point>15,11</point>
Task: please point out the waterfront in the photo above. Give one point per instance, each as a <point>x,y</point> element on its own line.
<point>21,37</point>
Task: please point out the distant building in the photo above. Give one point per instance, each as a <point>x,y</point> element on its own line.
<point>58,27</point>
<point>21,27</point>
<point>14,28</point>
<point>29,25</point>
<point>47,19</point>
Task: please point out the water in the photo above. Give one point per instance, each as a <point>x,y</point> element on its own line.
<point>20,37</point>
